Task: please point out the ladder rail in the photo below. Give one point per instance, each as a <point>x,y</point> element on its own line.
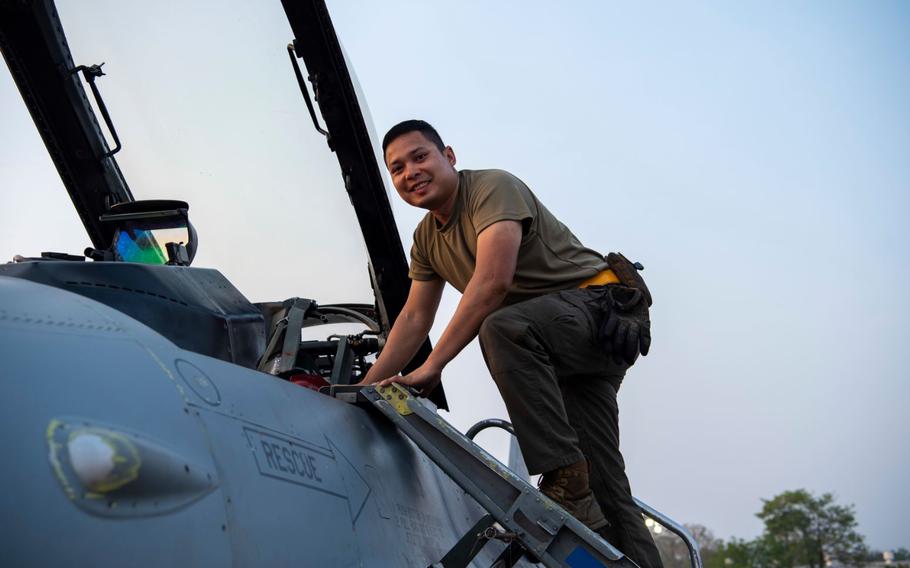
<point>679,530</point>
<point>545,530</point>
<point>521,469</point>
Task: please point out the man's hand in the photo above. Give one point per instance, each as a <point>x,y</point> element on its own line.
<point>424,378</point>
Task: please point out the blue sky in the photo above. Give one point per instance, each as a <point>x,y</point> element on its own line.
<point>753,155</point>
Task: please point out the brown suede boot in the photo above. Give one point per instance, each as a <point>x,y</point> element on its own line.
<point>569,487</point>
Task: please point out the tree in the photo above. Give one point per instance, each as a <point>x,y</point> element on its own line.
<point>708,544</point>
<point>804,530</point>
<point>801,531</point>
<point>738,553</point>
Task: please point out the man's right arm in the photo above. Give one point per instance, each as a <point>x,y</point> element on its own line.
<point>409,331</point>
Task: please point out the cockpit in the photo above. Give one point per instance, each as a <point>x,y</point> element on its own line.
<point>145,273</point>
<point>276,216</point>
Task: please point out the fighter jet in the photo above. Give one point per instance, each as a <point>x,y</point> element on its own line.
<point>154,416</point>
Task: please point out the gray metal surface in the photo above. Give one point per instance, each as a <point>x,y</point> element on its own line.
<point>136,429</point>
<point>543,528</point>
<point>196,308</point>
<point>235,467</point>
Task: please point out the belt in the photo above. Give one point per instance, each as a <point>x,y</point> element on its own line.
<point>600,279</point>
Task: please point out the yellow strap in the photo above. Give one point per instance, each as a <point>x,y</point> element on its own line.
<point>600,279</point>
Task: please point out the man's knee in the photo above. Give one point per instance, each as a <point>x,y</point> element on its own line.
<point>503,327</point>
<point>506,340</point>
<point>492,329</point>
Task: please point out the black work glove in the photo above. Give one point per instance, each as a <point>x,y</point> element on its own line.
<point>626,327</point>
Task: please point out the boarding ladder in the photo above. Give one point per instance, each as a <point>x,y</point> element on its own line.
<point>533,524</point>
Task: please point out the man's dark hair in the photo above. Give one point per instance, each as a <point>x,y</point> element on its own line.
<point>412,126</point>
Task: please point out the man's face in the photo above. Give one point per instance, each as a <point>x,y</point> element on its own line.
<point>423,176</point>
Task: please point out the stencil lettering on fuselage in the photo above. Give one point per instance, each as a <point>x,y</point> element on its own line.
<point>420,527</point>
<point>295,461</point>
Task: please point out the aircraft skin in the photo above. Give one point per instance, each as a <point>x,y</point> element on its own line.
<point>150,411</point>
<point>136,427</point>
<point>242,468</point>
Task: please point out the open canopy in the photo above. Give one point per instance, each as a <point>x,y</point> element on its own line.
<point>82,137</point>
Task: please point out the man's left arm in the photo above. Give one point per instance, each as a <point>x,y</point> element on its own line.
<point>497,256</point>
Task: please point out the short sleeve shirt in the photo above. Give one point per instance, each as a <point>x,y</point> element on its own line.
<point>550,257</point>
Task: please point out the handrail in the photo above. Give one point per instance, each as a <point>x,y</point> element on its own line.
<point>655,515</point>
<point>489,423</point>
<point>674,527</point>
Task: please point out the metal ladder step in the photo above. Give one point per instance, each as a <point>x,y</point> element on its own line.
<point>546,531</point>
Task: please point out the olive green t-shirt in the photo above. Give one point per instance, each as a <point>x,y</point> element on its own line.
<point>550,258</point>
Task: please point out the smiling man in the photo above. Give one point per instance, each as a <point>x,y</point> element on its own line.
<point>558,325</point>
